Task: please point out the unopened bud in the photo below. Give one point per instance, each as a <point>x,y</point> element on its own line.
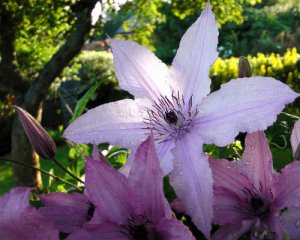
<point>40,140</point>
<point>244,68</point>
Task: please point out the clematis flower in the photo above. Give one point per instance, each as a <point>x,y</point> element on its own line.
<point>250,196</point>
<point>133,207</point>
<point>19,220</point>
<point>174,105</point>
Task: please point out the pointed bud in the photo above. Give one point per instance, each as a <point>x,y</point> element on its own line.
<point>244,68</point>
<point>40,140</point>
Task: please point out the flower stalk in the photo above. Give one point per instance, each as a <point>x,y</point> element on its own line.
<point>57,178</point>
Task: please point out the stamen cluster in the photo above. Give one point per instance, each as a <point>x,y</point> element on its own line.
<point>169,119</point>
<point>140,228</point>
<point>258,205</point>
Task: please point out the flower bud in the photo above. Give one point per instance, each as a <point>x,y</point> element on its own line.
<point>40,140</point>
<point>244,68</point>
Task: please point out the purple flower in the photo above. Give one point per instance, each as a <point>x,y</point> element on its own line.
<point>19,220</point>
<point>133,207</point>
<point>250,195</point>
<point>174,106</point>
<point>68,211</point>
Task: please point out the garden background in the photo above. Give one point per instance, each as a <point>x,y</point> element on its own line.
<point>56,62</point>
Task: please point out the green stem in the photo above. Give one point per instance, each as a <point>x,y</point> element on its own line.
<point>42,171</point>
<point>67,171</point>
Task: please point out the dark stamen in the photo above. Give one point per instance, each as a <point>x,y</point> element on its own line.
<point>91,210</point>
<point>171,117</point>
<point>260,207</point>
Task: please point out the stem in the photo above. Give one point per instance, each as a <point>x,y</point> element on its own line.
<point>42,171</point>
<point>67,171</point>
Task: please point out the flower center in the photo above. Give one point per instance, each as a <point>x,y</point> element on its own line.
<point>169,118</point>
<point>140,228</point>
<point>260,208</point>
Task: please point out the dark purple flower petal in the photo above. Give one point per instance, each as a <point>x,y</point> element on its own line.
<point>257,161</point>
<point>146,177</point>
<point>110,192</point>
<point>172,229</point>
<point>233,231</point>
<point>288,186</point>
<point>105,231</point>
<point>68,211</point>
<point>19,220</point>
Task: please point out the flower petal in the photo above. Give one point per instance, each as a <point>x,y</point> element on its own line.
<point>106,231</point>
<point>139,71</point>
<point>119,123</point>
<point>233,231</point>
<point>295,139</point>
<point>228,185</point>
<point>245,104</point>
<point>19,220</point>
<point>146,177</point>
<point>288,186</point>
<point>172,229</point>
<point>192,181</point>
<point>14,203</point>
<point>257,162</point>
<point>227,206</point>
<point>110,192</point>
<point>165,156</point>
<point>290,220</point>
<point>68,211</point>
<point>196,53</point>
<point>226,174</point>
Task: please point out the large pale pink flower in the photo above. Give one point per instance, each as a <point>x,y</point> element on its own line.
<point>175,106</point>
<point>249,195</point>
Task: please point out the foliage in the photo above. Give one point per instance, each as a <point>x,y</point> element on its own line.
<point>271,26</point>
<point>37,38</point>
<point>225,11</point>
<point>267,28</point>
<point>140,20</point>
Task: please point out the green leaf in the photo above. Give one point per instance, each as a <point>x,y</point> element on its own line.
<point>80,106</point>
<point>279,135</point>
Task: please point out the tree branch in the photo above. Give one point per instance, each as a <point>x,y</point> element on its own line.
<point>62,57</point>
